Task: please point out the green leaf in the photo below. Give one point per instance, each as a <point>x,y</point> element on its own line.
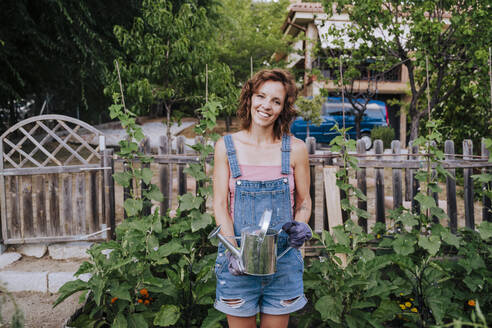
<point>485,230</point>
<point>367,254</point>
<point>154,194</point>
<point>403,244</point>
<point>386,310</point>
<point>70,288</point>
<point>438,305</point>
<point>431,244</point>
<point>137,320</point>
<point>438,212</point>
<point>133,206</point>
<point>167,316</point>
<point>189,201</point>
<point>341,236</point>
<point>408,219</point>
<point>213,319</point>
<point>146,175</point>
<point>200,221</point>
<point>450,238</point>
<point>119,321</point>
<point>172,247</point>
<point>122,292</point>
<point>425,201</point>
<point>473,282</point>
<point>149,279</point>
<point>123,178</point>
<point>329,308</point>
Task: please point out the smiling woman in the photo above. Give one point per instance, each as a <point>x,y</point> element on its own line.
<point>262,167</point>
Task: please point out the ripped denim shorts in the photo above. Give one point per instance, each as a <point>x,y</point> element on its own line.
<point>246,295</point>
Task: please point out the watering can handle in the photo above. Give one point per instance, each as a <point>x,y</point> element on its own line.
<point>284,252</point>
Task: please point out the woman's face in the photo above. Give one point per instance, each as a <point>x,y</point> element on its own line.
<point>267,102</point>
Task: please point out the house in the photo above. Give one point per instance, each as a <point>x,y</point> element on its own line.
<point>308,24</point>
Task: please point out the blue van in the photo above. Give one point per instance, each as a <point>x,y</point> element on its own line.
<point>375,115</point>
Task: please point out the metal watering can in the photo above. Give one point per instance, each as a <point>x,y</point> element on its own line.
<point>258,252</point>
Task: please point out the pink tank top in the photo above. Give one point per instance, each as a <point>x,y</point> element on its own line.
<point>261,173</point>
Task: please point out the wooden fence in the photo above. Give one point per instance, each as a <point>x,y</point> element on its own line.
<point>399,182</point>
<point>54,184</point>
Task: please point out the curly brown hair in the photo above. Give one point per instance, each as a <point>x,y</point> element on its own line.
<point>282,124</point>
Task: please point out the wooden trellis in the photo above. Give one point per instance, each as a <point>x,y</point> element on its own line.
<point>55,181</point>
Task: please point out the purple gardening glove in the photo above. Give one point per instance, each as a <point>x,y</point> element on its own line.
<point>298,233</point>
<point>235,266</point>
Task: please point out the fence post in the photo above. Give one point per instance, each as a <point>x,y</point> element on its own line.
<point>451,188</point>
<point>127,191</point>
<point>408,176</point>
<point>325,224</point>
<point>487,206</point>
<point>362,185</point>
<point>165,176</point>
<point>201,140</point>
<point>468,184</point>
<point>107,161</point>
<point>145,148</point>
<point>311,147</point>
<point>435,195</point>
<point>182,178</point>
<point>378,150</point>
<point>414,183</point>
<point>397,183</point>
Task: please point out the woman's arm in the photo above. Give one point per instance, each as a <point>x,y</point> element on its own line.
<point>221,191</point>
<point>300,161</point>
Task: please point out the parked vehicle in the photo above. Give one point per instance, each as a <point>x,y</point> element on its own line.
<point>375,115</point>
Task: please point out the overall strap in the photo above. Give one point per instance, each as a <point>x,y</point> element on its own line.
<point>231,156</point>
<point>285,154</point>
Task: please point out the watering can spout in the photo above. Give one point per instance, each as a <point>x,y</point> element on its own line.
<point>233,249</point>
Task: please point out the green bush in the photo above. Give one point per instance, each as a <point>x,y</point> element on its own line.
<point>385,133</point>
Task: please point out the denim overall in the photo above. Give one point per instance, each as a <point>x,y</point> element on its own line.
<point>282,292</point>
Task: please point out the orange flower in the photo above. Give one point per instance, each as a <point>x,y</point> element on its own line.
<point>471,302</point>
<point>139,300</point>
<point>113,299</point>
<point>143,291</point>
<point>146,302</point>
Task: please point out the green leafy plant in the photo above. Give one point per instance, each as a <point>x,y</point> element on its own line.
<point>159,268</point>
<point>414,274</point>
<point>384,133</point>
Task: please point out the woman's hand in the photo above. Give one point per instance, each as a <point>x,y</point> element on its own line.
<point>235,266</point>
<point>298,232</point>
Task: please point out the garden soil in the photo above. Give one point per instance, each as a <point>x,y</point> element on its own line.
<point>38,309</point>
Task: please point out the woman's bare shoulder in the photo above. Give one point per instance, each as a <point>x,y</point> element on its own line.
<point>297,144</point>
<point>299,150</point>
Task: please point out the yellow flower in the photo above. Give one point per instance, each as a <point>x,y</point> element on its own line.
<point>414,310</point>
<point>408,304</point>
<point>378,236</point>
<point>402,306</point>
<point>411,299</point>
<point>401,294</point>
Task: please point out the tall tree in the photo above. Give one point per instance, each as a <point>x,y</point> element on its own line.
<point>166,52</point>
<point>250,30</point>
<point>450,34</point>
<point>60,48</point>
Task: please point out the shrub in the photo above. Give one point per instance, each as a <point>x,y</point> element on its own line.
<point>385,133</point>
